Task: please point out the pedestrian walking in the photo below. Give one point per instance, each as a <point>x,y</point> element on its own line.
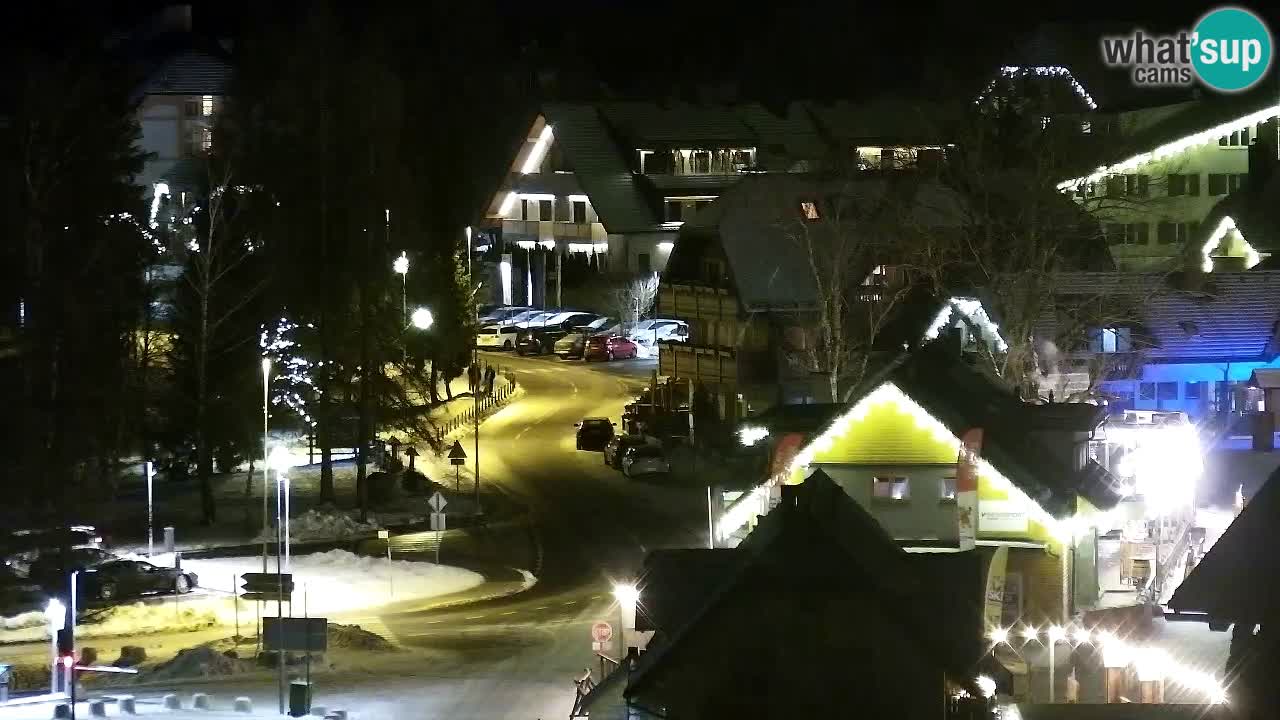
<point>489,376</point>
<point>473,377</point>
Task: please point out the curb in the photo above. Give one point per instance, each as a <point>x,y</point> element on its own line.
<point>530,580</point>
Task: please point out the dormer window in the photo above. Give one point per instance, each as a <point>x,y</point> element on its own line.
<point>1111,340</point>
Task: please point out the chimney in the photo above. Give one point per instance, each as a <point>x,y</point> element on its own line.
<point>1262,157</point>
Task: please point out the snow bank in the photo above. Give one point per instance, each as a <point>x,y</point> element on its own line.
<point>34,618</point>
<point>338,581</point>
<point>325,524</point>
<point>332,583</point>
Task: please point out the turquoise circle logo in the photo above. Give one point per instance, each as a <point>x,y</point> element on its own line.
<point>1232,49</point>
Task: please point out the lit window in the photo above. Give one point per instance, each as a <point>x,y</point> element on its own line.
<point>809,210</point>
<point>206,105</point>
<point>876,276</point>
<point>1114,339</point>
<point>890,488</point>
<point>947,489</point>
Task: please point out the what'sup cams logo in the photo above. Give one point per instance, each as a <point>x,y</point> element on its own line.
<point>1229,50</point>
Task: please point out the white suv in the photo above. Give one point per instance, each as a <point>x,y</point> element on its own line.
<point>502,337</point>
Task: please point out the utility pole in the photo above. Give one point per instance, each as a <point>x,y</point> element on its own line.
<point>475,360</point>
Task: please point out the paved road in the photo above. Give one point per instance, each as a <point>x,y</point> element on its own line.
<point>594,527</point>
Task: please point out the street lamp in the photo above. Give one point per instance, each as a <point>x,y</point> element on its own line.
<point>422,318</point>
<point>401,265</point>
<point>1056,635</point>
<point>266,461</point>
<point>628,596</point>
<point>280,462</point>
<point>56,613</point>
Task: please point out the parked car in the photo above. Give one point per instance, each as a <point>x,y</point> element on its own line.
<point>503,314</point>
<point>618,446</point>
<point>651,332</point>
<point>120,579</point>
<point>609,347</point>
<point>571,345</point>
<point>539,340</point>
<point>645,460</point>
<point>502,337</point>
<point>594,433</point>
<point>536,319</point>
<point>48,570</point>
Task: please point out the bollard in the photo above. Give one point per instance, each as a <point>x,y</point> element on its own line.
<point>98,708</point>
<point>127,705</point>
<point>168,538</point>
<point>62,711</point>
<point>200,701</point>
<point>171,702</point>
<point>243,705</point>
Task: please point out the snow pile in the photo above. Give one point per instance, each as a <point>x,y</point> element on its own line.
<point>338,581</point>
<point>324,524</point>
<point>645,352</point>
<point>34,618</point>
<point>199,661</point>
<point>354,637</point>
<point>142,618</point>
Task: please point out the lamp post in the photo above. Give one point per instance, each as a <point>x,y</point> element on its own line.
<point>422,319</point>
<point>1056,635</point>
<point>266,462</point>
<point>401,265</point>
<point>56,613</point>
<point>279,461</point>
<point>151,473</point>
<point>628,596</point>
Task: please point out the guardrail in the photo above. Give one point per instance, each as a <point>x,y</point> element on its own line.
<point>483,404</point>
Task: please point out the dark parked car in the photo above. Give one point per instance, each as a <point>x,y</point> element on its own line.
<point>49,571</point>
<point>571,345</point>
<point>609,347</point>
<point>619,445</point>
<point>594,433</point>
<point>121,579</point>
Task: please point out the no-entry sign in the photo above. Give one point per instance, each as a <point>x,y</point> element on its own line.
<point>601,632</point>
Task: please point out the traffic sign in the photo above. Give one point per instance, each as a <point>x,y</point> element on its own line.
<point>457,456</point>
<point>297,634</point>
<point>437,521</point>
<point>384,534</point>
<point>267,586</point>
<point>601,632</point>
<point>437,502</point>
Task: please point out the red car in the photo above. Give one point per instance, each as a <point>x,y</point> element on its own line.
<point>608,347</point>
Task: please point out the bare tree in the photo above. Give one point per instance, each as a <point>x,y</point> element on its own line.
<point>848,251</point>
<point>634,299</point>
<point>212,322</point>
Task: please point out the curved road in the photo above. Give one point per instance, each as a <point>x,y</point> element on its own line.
<point>515,657</point>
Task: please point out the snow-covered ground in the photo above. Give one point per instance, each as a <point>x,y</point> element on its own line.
<point>338,581</point>
<point>329,583</point>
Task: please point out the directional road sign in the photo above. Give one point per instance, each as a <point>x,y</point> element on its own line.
<point>267,586</point>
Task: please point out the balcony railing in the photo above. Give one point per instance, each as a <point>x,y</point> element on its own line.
<point>553,230</point>
<point>688,302</point>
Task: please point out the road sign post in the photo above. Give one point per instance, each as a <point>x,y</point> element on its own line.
<point>457,458</point>
<point>386,535</point>
<point>437,503</point>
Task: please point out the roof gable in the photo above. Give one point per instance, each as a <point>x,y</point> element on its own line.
<point>864,559</point>
<point>1214,585</point>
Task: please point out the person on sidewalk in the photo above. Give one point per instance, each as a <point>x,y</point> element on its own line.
<point>489,376</point>
<point>473,377</point>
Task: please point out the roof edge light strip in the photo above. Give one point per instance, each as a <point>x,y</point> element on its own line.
<point>1173,148</point>
<point>532,162</point>
<point>755,501</point>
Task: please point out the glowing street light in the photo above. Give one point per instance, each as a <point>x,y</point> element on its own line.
<point>266,461</point>
<point>999,635</point>
<point>56,613</point>
<point>281,462</point>
<point>401,265</point>
<point>422,319</point>
<point>1029,633</point>
<point>628,596</point>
